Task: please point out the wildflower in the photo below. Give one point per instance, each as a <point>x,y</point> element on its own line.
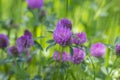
<point>56,56</point>
<point>62,36</point>
<point>64,23</point>
<point>4,41</point>
<point>98,49</point>
<point>25,41</point>
<point>13,51</point>
<point>78,56</point>
<point>35,4</point>
<point>28,33</point>
<point>65,57</point>
<point>79,38</point>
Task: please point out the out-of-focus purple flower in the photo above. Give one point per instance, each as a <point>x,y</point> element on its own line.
<point>64,23</point>
<point>13,51</point>
<point>25,41</point>
<point>65,57</point>
<point>4,41</point>
<point>118,49</point>
<point>56,56</point>
<point>28,33</point>
<point>35,4</point>
<point>79,38</point>
<point>62,35</point>
<point>69,57</point>
<point>98,49</point>
<point>78,56</point>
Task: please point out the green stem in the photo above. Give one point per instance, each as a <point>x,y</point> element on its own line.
<point>93,67</point>
<point>8,30</point>
<point>112,68</point>
<point>39,63</point>
<point>0,9</point>
<point>34,31</point>
<point>67,7</point>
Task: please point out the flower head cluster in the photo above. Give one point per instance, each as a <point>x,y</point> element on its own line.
<point>62,34</point>
<point>4,41</point>
<point>56,56</point>
<point>79,38</point>
<point>65,57</point>
<point>64,23</point>
<point>13,51</point>
<point>78,56</point>
<point>35,4</point>
<point>25,41</point>
<point>98,49</point>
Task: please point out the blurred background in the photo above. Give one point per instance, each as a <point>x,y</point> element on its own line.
<point>100,19</point>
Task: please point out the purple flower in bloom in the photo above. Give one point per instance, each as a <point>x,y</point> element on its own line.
<point>4,41</point>
<point>65,56</point>
<point>64,23</point>
<point>13,51</point>
<point>62,35</point>
<point>56,56</point>
<point>79,38</point>
<point>28,33</point>
<point>118,49</point>
<point>35,3</point>
<point>25,41</point>
<point>78,56</point>
<point>98,49</point>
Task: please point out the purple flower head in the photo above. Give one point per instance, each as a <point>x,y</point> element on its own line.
<point>65,57</point>
<point>56,56</point>
<point>98,49</point>
<point>64,23</point>
<point>25,41</point>
<point>35,4</point>
<point>13,51</point>
<point>118,49</point>
<point>78,56</point>
<point>62,36</point>
<point>28,33</point>
<point>4,41</point>
<point>79,38</point>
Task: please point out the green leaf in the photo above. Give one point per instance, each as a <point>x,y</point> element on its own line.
<point>50,31</point>
<point>83,66</point>
<point>50,41</point>
<point>71,50</point>
<point>87,50</point>
<point>38,45</point>
<point>72,74</point>
<point>51,45</point>
<point>7,60</point>
<point>37,38</point>
<point>37,77</point>
<point>50,60</point>
<point>110,46</point>
<point>34,52</point>
<point>117,40</point>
